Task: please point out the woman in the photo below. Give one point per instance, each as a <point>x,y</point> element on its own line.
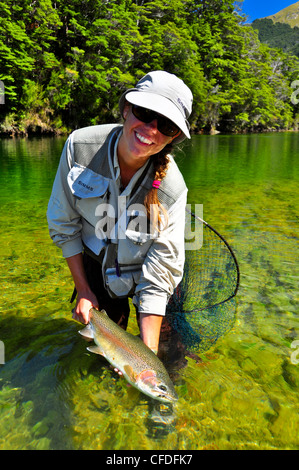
<point>118,203</point>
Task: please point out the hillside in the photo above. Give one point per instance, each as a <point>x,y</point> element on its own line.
<point>279,35</point>
<point>289,15</point>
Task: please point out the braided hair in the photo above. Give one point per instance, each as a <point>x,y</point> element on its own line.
<point>151,201</point>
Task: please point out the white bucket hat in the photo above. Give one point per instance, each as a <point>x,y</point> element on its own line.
<point>165,94</point>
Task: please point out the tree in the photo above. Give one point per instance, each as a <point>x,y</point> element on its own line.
<point>65,63</point>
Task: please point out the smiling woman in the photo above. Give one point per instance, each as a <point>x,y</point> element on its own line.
<point>138,142</point>
<point>123,167</point>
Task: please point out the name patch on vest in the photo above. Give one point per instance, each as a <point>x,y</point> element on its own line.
<point>85,183</point>
<point>90,188</point>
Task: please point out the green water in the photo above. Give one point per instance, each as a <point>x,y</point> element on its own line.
<point>244,392</point>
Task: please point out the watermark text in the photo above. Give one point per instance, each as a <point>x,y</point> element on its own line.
<point>122,222</point>
<point>2,92</point>
<point>295,354</point>
<point>2,353</point>
<point>294,99</point>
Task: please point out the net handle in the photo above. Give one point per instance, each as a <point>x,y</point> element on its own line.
<point>228,247</point>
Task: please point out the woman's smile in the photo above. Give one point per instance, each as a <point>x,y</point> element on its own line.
<point>139,140</point>
<point>143,139</point>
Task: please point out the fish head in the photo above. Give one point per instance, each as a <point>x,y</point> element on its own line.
<point>160,388</point>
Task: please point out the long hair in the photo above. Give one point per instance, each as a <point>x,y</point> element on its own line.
<point>155,210</point>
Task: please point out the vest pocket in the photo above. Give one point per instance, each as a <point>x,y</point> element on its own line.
<point>121,282</point>
<point>89,189</point>
<point>139,238</point>
<point>85,183</point>
<point>134,247</point>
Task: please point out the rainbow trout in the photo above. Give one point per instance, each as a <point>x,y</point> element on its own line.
<point>128,353</point>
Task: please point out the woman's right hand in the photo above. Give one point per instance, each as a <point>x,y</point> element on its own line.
<point>85,301</point>
<point>85,297</point>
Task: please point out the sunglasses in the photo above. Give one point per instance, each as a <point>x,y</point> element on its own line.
<point>164,125</point>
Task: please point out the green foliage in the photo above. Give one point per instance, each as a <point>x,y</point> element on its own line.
<point>279,35</point>
<point>65,63</point>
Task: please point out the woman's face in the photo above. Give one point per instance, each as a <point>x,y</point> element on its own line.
<point>140,140</point>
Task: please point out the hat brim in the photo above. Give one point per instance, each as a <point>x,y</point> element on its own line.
<point>160,105</point>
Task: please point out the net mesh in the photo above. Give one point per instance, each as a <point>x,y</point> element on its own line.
<point>202,307</point>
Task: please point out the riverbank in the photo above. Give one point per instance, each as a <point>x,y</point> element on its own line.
<point>38,128</point>
<point>33,125</point>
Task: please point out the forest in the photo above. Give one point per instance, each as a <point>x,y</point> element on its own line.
<point>279,35</point>
<point>64,63</point>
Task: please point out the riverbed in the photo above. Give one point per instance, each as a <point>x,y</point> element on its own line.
<point>242,393</point>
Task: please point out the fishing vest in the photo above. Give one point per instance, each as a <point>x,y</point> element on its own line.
<point>92,147</point>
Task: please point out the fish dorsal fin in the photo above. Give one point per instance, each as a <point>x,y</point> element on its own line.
<point>87,332</point>
<point>95,350</point>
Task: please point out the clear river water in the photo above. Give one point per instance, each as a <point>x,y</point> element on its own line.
<point>241,394</point>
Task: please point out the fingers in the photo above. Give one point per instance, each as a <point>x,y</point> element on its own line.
<point>85,301</point>
<point>118,371</point>
<point>80,316</point>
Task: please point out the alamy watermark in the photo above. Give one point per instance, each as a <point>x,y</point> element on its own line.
<point>121,222</point>
<point>294,358</point>
<point>294,99</point>
<point>2,353</point>
<point>2,93</point>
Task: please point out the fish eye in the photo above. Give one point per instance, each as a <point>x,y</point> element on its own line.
<point>163,388</point>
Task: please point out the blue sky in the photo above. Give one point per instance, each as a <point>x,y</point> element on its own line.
<point>260,8</point>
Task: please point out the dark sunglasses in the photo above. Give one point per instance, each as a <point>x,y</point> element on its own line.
<point>164,125</point>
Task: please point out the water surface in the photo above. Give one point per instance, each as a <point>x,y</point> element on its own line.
<point>243,394</point>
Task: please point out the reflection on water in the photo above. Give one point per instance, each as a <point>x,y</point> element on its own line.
<point>240,393</point>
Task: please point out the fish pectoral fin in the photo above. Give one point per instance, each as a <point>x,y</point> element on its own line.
<point>87,332</point>
<point>95,350</point>
<point>130,373</point>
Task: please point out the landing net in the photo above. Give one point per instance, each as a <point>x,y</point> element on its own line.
<point>202,307</point>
